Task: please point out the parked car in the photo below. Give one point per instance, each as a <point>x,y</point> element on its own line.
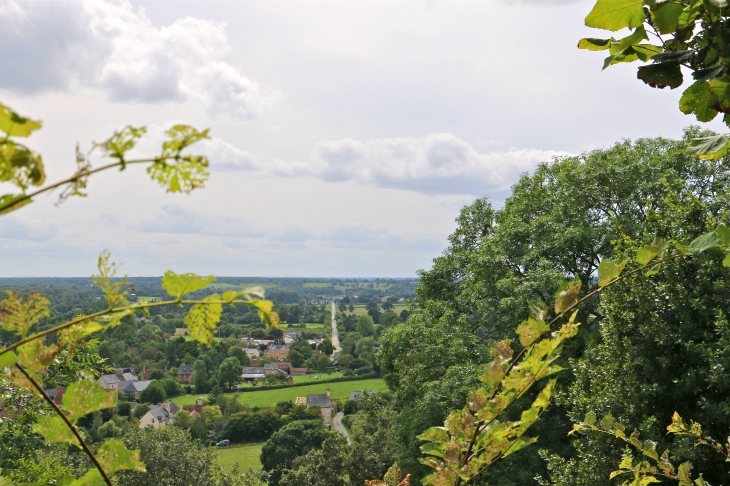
<point>223,443</point>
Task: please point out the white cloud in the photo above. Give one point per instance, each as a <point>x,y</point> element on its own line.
<point>440,163</point>
<point>108,45</point>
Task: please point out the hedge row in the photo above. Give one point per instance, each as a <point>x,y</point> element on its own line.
<point>293,385</point>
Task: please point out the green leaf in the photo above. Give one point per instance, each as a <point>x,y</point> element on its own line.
<point>15,125</point>
<point>661,75</point>
<point>724,233</point>
<point>719,98</point>
<point>615,15</point>
<point>647,253</point>
<point>705,242</point>
<point>84,397</point>
<point>179,285</point>
<point>726,261</point>
<point>590,418</point>
<point>665,16</point>
<point>695,100</point>
<point>121,142</point>
<point>530,330</point>
<point>608,270</point>
<point>689,14</point>
<point>634,38</point>
<point>113,457</point>
<point>54,430</point>
<point>7,202</point>
<point>711,148</point>
<point>567,295</point>
<point>709,74</point>
<point>8,359</point>
<point>19,314</point>
<point>595,44</point>
<point>203,318</point>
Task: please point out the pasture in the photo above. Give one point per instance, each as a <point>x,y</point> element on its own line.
<point>246,455</point>
<point>269,398</point>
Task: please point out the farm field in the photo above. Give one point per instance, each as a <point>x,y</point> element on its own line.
<point>322,376</point>
<point>309,325</point>
<point>247,456</point>
<point>269,398</point>
<point>360,309</point>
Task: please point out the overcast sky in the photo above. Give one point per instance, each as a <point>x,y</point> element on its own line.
<point>346,134</point>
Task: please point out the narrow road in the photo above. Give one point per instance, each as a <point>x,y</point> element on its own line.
<point>335,338</point>
<point>337,424</point>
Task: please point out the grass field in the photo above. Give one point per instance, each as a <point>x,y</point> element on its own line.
<point>247,456</point>
<point>322,376</point>
<point>360,309</point>
<point>309,325</point>
<point>269,398</point>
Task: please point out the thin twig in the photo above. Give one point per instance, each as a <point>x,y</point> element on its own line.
<point>73,178</point>
<point>71,426</point>
<point>136,307</point>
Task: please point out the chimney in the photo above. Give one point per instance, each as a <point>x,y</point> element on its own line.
<point>328,392</point>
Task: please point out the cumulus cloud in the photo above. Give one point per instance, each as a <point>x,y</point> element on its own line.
<point>108,45</point>
<point>440,163</point>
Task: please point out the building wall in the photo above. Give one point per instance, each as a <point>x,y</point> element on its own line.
<point>149,420</point>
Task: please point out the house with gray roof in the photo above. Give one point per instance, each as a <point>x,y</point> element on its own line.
<point>324,402</point>
<point>272,369</point>
<point>253,373</point>
<point>159,415</point>
<point>185,373</point>
<point>134,387</point>
<point>109,382</point>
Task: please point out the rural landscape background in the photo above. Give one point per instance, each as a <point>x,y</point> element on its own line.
<point>319,243</point>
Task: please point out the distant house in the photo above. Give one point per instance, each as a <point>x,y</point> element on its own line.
<point>272,369</point>
<point>159,415</point>
<point>324,402</point>
<point>134,387</point>
<point>289,379</point>
<point>110,382</point>
<point>56,394</point>
<point>252,353</point>
<point>297,371</point>
<point>278,351</point>
<point>284,366</point>
<point>290,337</point>
<point>250,374</point>
<point>185,373</point>
<point>197,408</point>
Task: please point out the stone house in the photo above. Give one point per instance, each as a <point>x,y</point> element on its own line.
<point>324,402</point>
<point>185,373</point>
<point>278,352</point>
<point>159,415</point>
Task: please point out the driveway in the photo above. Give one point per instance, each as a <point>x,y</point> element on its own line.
<point>337,424</point>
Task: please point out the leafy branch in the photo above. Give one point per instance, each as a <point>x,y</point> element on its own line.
<point>642,471</point>
<point>692,36</point>
<point>474,438</point>
<point>23,168</point>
